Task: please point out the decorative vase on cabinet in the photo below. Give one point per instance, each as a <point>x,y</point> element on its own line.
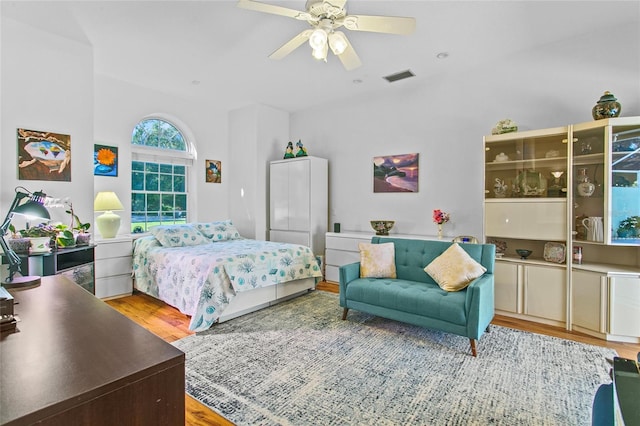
<point>606,107</point>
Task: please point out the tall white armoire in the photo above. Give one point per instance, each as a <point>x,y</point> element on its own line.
<point>299,202</point>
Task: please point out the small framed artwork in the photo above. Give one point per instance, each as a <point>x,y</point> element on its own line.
<point>105,160</point>
<point>395,173</point>
<point>44,155</point>
<point>213,171</point>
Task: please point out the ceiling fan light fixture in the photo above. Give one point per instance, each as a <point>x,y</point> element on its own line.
<point>321,53</point>
<point>318,39</point>
<point>338,42</point>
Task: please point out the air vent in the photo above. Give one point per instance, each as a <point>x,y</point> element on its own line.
<point>399,76</point>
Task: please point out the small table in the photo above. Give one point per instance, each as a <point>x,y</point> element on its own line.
<point>74,359</point>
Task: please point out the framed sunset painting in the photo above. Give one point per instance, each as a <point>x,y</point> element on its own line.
<point>395,173</point>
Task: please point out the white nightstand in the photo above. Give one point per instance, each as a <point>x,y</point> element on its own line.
<point>113,263</point>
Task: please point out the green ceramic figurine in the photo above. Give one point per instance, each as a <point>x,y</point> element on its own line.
<point>289,151</point>
<point>302,151</point>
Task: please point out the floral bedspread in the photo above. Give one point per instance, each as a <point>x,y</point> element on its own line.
<point>201,280</point>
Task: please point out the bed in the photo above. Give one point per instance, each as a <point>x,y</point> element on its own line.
<point>212,274</point>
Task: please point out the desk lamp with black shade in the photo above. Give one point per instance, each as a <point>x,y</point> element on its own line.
<point>33,207</point>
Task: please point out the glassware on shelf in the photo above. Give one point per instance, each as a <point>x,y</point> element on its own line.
<point>499,188</point>
<point>585,186</point>
<point>557,188</point>
<point>531,184</point>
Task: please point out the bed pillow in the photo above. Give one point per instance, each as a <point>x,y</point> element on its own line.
<point>178,235</point>
<point>454,269</point>
<point>218,231</point>
<point>377,260</point>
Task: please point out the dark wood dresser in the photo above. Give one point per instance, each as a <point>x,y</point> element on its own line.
<point>73,360</point>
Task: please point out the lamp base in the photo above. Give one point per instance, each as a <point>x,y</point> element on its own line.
<point>108,224</point>
<point>22,282</point>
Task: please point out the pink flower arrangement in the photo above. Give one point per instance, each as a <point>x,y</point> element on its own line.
<point>440,217</point>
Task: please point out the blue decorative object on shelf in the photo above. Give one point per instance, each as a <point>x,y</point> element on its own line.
<point>302,151</point>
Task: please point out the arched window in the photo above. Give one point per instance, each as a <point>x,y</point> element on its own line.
<point>159,175</point>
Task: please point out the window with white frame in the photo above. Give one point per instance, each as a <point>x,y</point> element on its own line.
<point>160,163</point>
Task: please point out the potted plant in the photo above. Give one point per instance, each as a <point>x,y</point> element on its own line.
<point>42,237</point>
<point>17,242</point>
<point>83,238</point>
<point>629,227</point>
<point>65,237</point>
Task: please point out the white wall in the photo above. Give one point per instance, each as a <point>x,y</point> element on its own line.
<point>120,106</point>
<point>444,119</point>
<point>257,134</point>
<point>47,85</point>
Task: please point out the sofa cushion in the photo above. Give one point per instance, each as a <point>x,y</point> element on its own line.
<point>418,298</point>
<point>377,260</point>
<point>454,269</point>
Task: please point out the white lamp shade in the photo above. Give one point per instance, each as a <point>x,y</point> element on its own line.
<point>107,223</point>
<point>321,53</point>
<point>338,42</point>
<point>107,201</point>
<point>318,38</point>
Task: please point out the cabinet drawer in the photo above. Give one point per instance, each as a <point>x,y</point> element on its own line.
<point>625,306</point>
<point>530,220</point>
<point>506,287</point>
<point>340,257</point>
<point>118,285</point>
<point>115,249</point>
<point>332,273</point>
<point>348,244</point>
<point>589,300</point>
<point>545,292</point>
<point>113,266</point>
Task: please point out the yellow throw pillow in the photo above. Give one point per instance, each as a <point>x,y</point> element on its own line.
<point>377,260</point>
<point>454,269</point>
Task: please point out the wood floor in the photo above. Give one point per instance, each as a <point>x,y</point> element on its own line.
<point>169,324</point>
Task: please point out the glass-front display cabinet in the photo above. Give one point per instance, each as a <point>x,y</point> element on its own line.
<point>606,187</point>
<point>526,185</point>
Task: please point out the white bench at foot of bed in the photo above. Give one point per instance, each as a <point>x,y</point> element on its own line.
<point>250,301</point>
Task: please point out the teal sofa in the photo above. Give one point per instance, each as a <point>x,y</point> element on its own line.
<point>415,298</point>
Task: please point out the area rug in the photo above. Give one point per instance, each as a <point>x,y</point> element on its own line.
<point>298,363</point>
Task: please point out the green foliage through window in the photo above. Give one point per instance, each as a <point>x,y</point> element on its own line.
<point>158,134</point>
<point>158,189</point>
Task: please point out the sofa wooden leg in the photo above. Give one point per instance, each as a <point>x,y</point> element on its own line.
<point>473,347</point>
<point>344,313</point>
<point>488,329</point>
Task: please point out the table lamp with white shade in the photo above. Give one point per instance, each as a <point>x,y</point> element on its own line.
<point>108,223</point>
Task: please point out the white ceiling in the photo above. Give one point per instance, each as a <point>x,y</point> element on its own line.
<point>167,45</point>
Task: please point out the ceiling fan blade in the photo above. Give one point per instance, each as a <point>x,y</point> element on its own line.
<point>380,24</point>
<point>291,45</point>
<point>349,57</point>
<point>273,9</point>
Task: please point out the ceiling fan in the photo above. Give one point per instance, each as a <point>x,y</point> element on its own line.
<point>325,17</point>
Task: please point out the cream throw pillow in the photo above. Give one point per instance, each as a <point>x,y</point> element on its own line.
<point>454,269</point>
<point>377,260</point>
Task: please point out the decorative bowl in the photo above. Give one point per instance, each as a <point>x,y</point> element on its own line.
<point>382,227</point>
<point>523,253</point>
